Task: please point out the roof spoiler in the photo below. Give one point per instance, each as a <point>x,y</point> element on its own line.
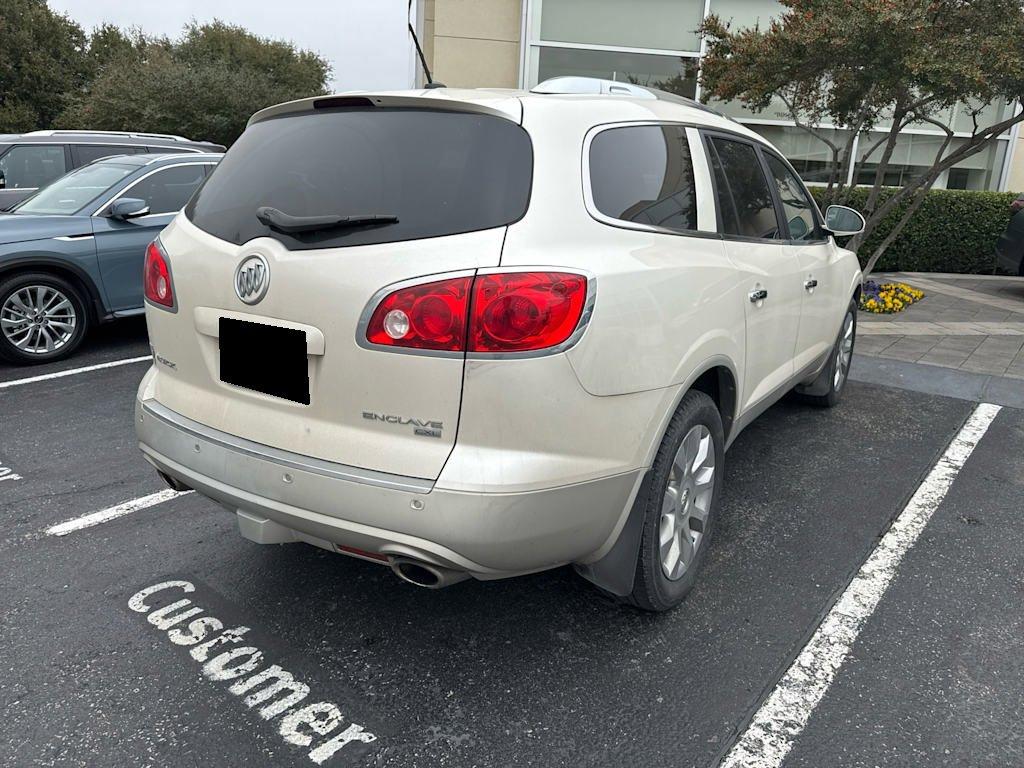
<point>508,107</point>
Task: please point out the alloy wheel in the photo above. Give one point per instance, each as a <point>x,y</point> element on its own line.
<point>687,502</point>
<point>844,352</point>
<point>38,319</point>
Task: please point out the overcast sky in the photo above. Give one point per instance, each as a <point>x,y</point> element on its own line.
<point>363,39</point>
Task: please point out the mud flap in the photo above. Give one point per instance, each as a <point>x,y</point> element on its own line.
<point>820,384</point>
<point>615,571</point>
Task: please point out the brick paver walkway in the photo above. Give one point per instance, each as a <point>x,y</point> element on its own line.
<point>972,323</point>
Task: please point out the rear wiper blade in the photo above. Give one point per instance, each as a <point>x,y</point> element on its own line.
<point>285,222</point>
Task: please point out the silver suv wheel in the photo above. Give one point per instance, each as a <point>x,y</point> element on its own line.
<point>38,319</point>
<point>844,352</point>
<point>679,504</point>
<point>687,502</point>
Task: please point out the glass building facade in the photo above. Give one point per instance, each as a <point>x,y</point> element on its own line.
<point>655,43</point>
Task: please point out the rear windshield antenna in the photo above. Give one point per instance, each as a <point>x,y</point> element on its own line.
<point>419,51</point>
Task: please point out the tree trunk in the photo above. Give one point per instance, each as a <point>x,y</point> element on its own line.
<point>890,238</point>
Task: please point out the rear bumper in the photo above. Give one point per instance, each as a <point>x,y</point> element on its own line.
<point>489,535</point>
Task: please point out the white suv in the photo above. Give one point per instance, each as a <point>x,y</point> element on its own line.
<point>481,333</point>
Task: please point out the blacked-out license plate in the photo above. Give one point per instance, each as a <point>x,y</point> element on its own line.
<point>264,358</point>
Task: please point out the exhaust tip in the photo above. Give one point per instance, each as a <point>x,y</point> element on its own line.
<point>173,483</point>
<point>419,575</point>
<point>426,575</point>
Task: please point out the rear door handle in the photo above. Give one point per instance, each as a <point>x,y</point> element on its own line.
<point>809,284</point>
<point>759,295</point>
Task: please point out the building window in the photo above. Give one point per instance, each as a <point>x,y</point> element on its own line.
<point>654,43</point>
<point>668,25</point>
<point>675,74</point>
<point>915,153</point>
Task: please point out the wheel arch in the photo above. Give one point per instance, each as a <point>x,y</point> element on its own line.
<point>60,268</point>
<point>717,377</point>
<point>614,571</point>
<point>719,383</point>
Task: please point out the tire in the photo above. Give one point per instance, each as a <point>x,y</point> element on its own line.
<point>694,438</point>
<point>28,337</point>
<point>827,389</point>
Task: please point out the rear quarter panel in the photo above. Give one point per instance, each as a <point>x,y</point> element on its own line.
<point>666,304</point>
<point>666,309</point>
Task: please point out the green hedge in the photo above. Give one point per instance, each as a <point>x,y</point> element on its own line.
<point>953,231</point>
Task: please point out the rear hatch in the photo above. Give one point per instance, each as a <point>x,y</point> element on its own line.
<point>453,180</point>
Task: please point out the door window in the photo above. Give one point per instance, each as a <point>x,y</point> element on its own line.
<point>744,198</point>
<point>32,166</point>
<point>644,174</point>
<point>796,203</point>
<point>167,190</point>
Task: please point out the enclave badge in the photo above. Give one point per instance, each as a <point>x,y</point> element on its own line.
<point>252,278</point>
<point>420,427</point>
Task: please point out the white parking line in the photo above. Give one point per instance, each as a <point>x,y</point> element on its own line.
<point>112,513</point>
<point>6,473</point>
<point>73,371</point>
<point>785,712</point>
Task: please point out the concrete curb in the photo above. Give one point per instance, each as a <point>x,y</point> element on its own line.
<point>936,380</point>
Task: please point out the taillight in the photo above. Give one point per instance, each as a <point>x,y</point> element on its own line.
<point>157,276</point>
<point>426,316</point>
<point>525,311</point>
<point>490,314</point>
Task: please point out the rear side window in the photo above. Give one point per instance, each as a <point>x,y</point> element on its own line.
<point>439,173</point>
<point>744,198</point>
<point>644,174</point>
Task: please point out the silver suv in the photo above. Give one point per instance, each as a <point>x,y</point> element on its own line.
<point>473,333</point>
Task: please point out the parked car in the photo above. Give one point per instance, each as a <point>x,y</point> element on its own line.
<point>1010,246</point>
<point>472,333</point>
<point>30,161</point>
<point>72,254</point>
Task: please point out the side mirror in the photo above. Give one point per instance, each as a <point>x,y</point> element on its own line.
<point>3,181</point>
<point>842,221</point>
<point>128,208</point>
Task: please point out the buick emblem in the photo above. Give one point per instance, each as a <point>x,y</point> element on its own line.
<point>252,278</point>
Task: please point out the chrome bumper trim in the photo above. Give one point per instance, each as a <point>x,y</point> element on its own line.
<point>286,458</point>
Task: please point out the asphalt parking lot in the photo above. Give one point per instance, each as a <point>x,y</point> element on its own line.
<point>535,671</point>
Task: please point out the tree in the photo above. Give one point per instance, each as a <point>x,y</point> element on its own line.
<point>278,61</point>
<point>862,64</point>
<point>204,86</point>
<point>42,59</point>
<point>108,44</point>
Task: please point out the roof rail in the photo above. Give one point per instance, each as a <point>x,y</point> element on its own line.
<point>597,86</point>
<point>129,134</point>
<point>592,85</point>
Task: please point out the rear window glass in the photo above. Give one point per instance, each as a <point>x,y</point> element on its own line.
<point>439,173</point>
<point>644,174</point>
